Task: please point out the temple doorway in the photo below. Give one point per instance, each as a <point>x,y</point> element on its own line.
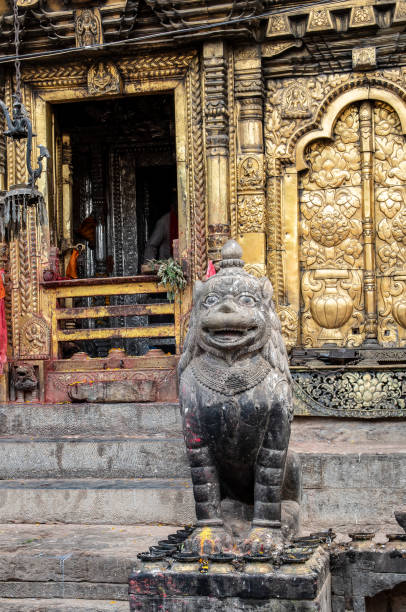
<point>122,187</point>
<point>123,179</point>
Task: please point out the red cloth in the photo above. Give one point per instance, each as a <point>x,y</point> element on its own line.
<point>211,270</point>
<point>3,326</point>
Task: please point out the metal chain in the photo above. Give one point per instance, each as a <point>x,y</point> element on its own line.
<point>17,62</point>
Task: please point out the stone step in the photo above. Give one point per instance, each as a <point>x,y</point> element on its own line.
<point>93,457</point>
<point>52,420</point>
<point>97,501</point>
<point>62,605</point>
<point>71,562</point>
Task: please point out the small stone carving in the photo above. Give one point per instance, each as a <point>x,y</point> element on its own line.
<point>364,58</point>
<point>236,402</point>
<point>24,383</point>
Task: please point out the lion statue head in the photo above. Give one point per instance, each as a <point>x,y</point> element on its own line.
<point>233,315</point>
<point>24,377</point>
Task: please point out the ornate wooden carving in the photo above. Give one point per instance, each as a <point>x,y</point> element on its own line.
<point>251,213</point>
<point>197,171</point>
<point>215,62</point>
<point>88,27</point>
<point>103,78</point>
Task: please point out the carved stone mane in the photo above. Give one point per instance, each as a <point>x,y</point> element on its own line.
<point>273,348</point>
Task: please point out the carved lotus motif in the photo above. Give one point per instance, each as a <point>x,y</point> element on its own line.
<point>329,227</point>
<point>347,127</point>
<point>386,121</point>
<point>399,227</point>
<point>367,390</point>
<point>390,201</point>
<point>329,168</point>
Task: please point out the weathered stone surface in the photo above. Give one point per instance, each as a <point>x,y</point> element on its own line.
<point>95,457</point>
<point>72,605</point>
<point>82,554</point>
<point>97,501</point>
<point>67,590</point>
<point>49,420</point>
<point>114,391</point>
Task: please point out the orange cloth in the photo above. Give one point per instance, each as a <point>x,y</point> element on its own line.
<point>2,290</point>
<point>72,267</point>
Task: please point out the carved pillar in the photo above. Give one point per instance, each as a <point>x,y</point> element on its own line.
<point>249,94</point>
<point>367,152</point>
<point>216,123</point>
<point>28,330</point>
<point>66,204</point>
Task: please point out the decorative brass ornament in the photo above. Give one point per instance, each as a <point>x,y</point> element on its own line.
<point>103,78</point>
<point>350,393</point>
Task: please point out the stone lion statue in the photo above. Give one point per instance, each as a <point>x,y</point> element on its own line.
<point>236,404</point>
<point>24,382</point>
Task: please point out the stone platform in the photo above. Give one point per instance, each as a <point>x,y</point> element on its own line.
<point>353,574</point>
<point>245,585</point>
<point>70,567</point>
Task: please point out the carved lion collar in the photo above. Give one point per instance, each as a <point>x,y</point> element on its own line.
<point>226,379</point>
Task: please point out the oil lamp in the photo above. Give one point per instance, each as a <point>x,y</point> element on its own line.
<point>17,200</point>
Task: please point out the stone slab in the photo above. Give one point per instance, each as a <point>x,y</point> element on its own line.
<point>51,420</point>
<point>58,605</point>
<point>97,501</point>
<point>92,457</point>
<point>57,554</point>
<point>67,590</point>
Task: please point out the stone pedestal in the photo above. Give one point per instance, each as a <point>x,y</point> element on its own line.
<point>212,585</point>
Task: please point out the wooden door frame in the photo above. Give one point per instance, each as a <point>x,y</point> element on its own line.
<point>45,85</point>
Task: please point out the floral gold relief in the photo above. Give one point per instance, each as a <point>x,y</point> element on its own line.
<point>331,237</point>
<point>390,213</point>
<point>353,231</point>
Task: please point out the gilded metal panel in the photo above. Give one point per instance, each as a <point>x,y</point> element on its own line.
<point>331,246</point>
<point>390,198</point>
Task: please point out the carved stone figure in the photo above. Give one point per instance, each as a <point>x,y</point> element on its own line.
<point>24,383</point>
<point>236,402</point>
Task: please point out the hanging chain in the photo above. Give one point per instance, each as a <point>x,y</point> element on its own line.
<point>17,62</point>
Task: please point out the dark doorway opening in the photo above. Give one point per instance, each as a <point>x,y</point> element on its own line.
<point>391,600</point>
<point>124,178</point>
<point>124,182</point>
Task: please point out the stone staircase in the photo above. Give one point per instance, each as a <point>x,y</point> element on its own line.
<point>93,463</point>
<point>84,487</point>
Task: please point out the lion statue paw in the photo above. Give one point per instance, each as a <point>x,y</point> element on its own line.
<point>209,541</point>
<point>263,540</point>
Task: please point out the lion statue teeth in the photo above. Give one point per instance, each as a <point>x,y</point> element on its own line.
<point>236,403</point>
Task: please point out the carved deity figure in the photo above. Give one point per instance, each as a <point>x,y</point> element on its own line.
<point>87,29</point>
<point>236,403</point>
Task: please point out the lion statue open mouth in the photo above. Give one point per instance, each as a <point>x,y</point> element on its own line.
<point>236,402</point>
